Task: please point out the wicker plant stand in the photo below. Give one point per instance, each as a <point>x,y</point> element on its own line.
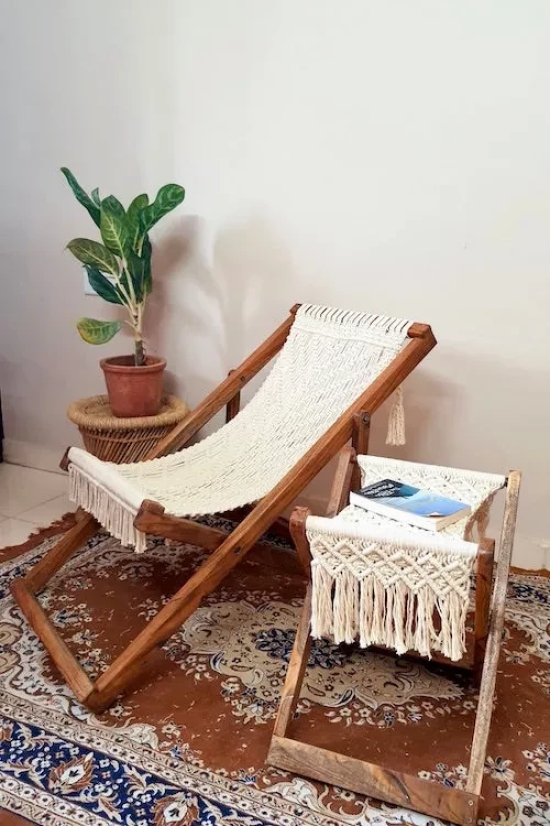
<point>123,440</point>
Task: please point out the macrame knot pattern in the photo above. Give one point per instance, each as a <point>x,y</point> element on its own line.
<point>389,583</point>
<point>390,592</point>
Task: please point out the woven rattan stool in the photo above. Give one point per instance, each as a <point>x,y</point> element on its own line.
<point>123,440</point>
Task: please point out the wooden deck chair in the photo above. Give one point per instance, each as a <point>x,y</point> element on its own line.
<point>332,365</point>
<point>359,550</point>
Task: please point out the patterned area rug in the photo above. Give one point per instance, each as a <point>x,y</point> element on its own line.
<point>188,745</point>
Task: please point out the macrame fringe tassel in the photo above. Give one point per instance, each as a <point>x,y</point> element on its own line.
<point>345,607</point>
<point>113,514</point>
<point>396,432</point>
<point>322,602</point>
<point>392,616</point>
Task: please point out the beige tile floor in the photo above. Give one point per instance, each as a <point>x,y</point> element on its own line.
<point>29,499</point>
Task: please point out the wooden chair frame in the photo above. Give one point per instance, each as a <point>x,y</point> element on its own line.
<point>228,549</point>
<point>407,790</point>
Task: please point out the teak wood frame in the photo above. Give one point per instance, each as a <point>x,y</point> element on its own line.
<point>228,549</point>
<point>408,790</point>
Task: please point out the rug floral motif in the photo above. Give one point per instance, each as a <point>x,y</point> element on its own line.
<point>188,745</point>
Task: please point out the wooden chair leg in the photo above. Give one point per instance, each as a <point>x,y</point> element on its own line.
<point>68,665</point>
<point>43,571</point>
<point>360,443</point>
<point>342,482</point>
<point>130,663</point>
<point>24,590</point>
<point>234,404</point>
<point>177,610</point>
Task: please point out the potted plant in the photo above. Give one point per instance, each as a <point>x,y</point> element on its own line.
<point>119,270</point>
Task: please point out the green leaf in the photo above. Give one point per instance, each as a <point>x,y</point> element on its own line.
<point>97,332</point>
<point>147,276</point>
<point>168,197</point>
<point>95,196</point>
<point>139,202</point>
<point>104,288</point>
<point>135,269</point>
<point>133,216</point>
<point>82,196</point>
<point>94,254</point>
<point>139,267</point>
<point>114,226</point>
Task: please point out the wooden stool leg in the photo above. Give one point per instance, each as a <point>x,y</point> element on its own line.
<point>295,672</point>
<point>497,621</point>
<point>483,595</point>
<point>297,527</point>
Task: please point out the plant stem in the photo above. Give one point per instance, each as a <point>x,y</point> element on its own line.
<point>139,354</point>
<point>132,294</point>
<point>126,297</point>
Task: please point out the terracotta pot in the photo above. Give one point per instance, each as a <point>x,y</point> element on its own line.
<point>134,391</point>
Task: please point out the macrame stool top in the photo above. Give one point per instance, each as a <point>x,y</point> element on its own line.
<point>392,584</point>
<point>330,357</point>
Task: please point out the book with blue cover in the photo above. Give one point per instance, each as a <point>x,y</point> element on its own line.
<point>406,503</point>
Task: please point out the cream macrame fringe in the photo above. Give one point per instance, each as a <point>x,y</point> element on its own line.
<point>396,432</point>
<point>116,516</point>
<point>390,595</point>
<point>388,616</point>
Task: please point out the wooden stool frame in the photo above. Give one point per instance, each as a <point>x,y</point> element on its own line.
<point>407,790</point>
<point>227,549</point>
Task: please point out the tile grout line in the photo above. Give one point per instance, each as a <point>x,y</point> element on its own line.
<point>39,505</point>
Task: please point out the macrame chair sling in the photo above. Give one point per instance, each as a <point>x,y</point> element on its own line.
<point>333,365</point>
<point>391,585</point>
<point>325,364</point>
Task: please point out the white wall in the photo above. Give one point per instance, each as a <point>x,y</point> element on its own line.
<point>389,156</point>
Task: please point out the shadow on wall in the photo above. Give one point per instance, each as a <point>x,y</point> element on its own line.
<point>170,256</point>
<point>255,272</point>
<point>215,300</point>
<point>463,423</point>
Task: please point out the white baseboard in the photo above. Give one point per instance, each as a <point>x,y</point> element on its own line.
<point>529,552</point>
<point>32,455</point>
